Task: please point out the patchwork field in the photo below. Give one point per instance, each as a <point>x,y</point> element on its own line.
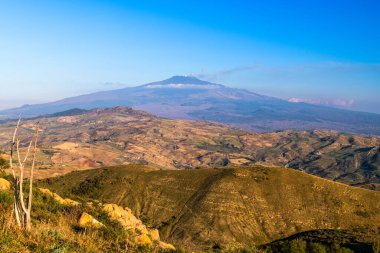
<point>77,140</point>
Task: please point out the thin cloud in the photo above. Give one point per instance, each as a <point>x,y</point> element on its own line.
<point>291,69</point>
<point>112,84</point>
<point>338,102</point>
<point>223,73</point>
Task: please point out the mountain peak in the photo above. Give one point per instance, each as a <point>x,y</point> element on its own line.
<point>182,82</point>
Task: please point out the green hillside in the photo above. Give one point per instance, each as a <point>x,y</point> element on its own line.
<point>204,208</point>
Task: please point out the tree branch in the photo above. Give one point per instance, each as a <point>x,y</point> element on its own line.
<point>28,224</point>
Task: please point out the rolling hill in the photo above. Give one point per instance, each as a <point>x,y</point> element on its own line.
<point>203,208</point>
<point>183,97</point>
<point>78,139</point>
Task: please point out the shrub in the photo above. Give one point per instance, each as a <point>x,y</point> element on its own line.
<point>376,246</point>
<point>88,187</point>
<point>6,199</point>
<point>298,246</point>
<point>362,213</point>
<point>336,248</point>
<point>234,247</point>
<point>3,165</point>
<point>315,247</point>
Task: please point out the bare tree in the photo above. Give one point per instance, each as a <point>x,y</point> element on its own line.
<point>21,210</point>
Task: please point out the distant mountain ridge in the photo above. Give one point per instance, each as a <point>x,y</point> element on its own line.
<point>187,97</point>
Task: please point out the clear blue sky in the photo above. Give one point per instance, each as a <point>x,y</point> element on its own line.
<point>304,49</point>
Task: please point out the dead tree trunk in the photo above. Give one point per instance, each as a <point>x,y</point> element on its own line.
<point>21,210</point>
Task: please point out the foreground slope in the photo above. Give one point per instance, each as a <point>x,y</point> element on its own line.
<point>76,139</point>
<point>205,207</point>
<point>183,97</point>
<point>64,225</point>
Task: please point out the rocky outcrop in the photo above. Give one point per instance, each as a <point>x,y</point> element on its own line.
<point>166,246</point>
<point>124,217</point>
<point>87,221</point>
<point>59,199</point>
<point>143,235</point>
<point>154,234</point>
<point>140,234</point>
<point>143,240</point>
<point>4,185</point>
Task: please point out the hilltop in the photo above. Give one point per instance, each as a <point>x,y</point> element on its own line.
<point>203,208</point>
<point>78,139</point>
<point>187,97</point>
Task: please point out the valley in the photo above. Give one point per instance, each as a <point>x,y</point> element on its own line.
<point>77,140</point>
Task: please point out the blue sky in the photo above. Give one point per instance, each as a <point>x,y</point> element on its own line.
<point>320,50</point>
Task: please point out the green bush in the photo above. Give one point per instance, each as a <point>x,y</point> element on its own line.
<point>3,163</point>
<point>376,246</point>
<point>234,247</point>
<point>298,246</point>
<point>315,247</point>
<point>336,248</point>
<point>88,187</point>
<point>6,199</point>
<point>45,208</point>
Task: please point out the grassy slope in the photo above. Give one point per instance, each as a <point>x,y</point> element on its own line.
<point>208,206</point>
<point>55,229</point>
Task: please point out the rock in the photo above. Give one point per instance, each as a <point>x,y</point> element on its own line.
<point>4,185</point>
<point>154,234</point>
<point>69,202</point>
<point>59,199</point>
<point>125,217</point>
<point>87,221</point>
<point>143,240</point>
<point>166,246</point>
<point>114,211</point>
<point>90,204</point>
<point>144,237</point>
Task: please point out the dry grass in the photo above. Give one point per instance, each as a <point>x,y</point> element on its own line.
<point>55,230</point>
